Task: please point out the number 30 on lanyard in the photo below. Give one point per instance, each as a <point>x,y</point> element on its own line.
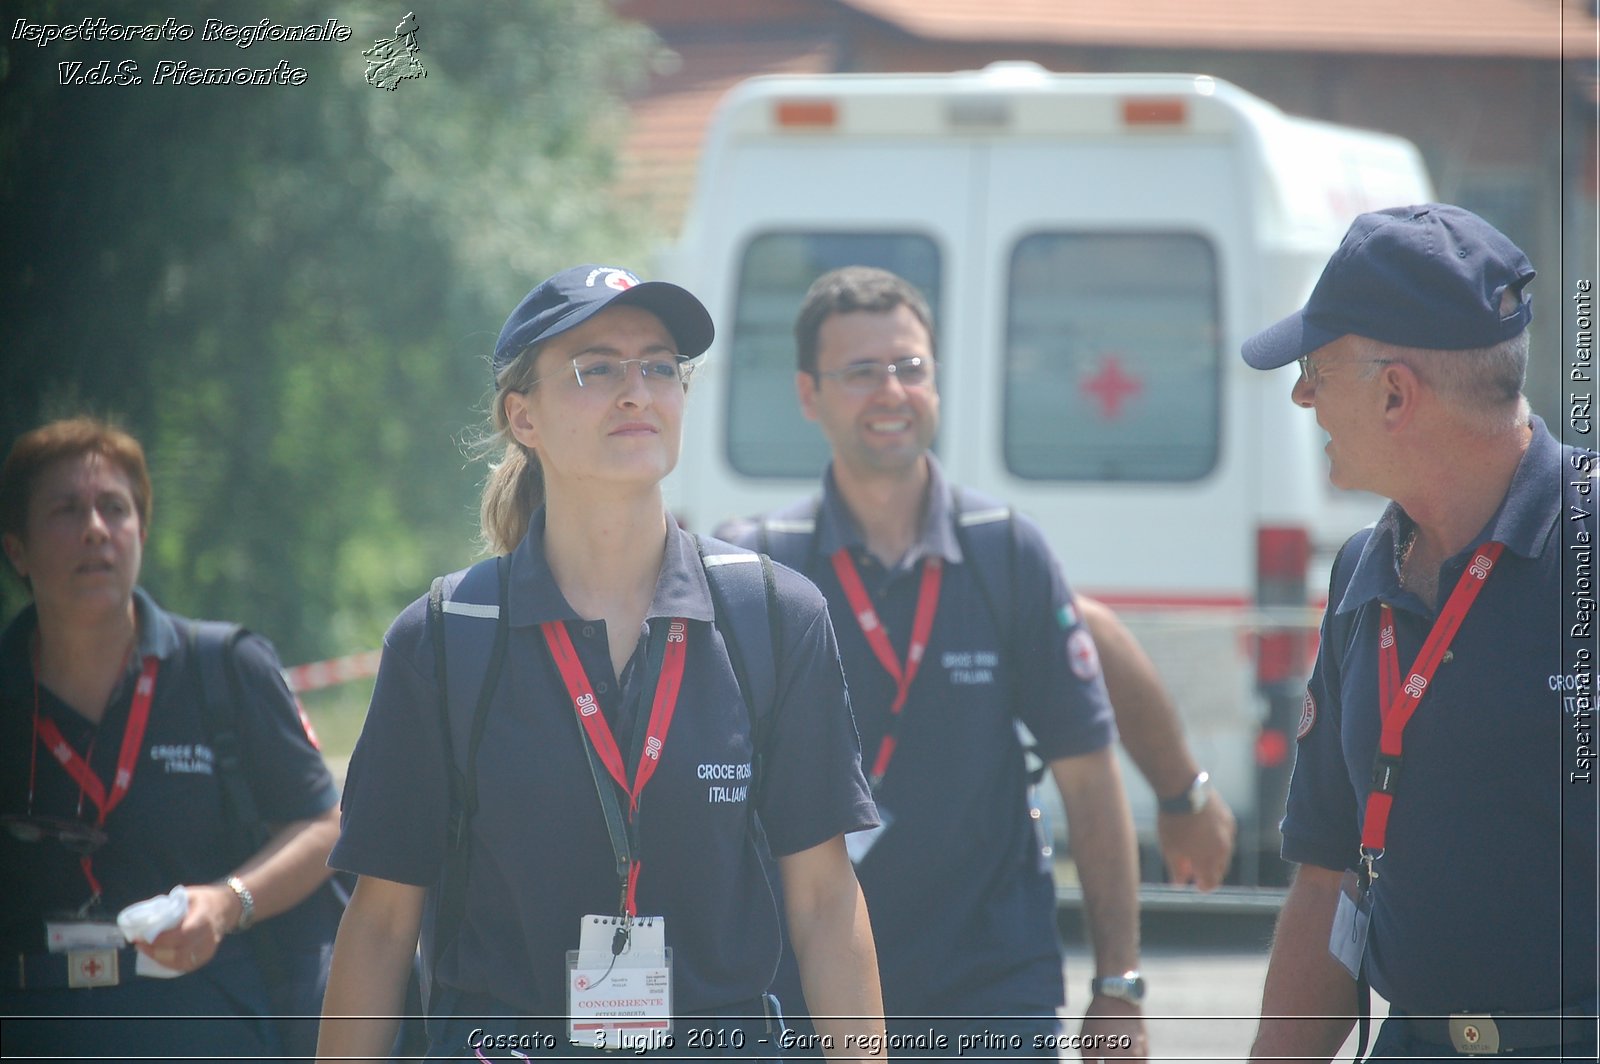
<point>871,627</point>
<point>1399,701</point>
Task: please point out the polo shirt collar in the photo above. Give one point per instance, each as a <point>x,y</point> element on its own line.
<point>837,527</point>
<point>681,589</point>
<point>1524,521</point>
<point>158,636</point>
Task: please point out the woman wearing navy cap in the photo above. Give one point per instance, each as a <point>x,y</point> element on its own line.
<point>613,793</point>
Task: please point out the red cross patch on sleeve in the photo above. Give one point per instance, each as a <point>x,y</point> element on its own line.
<point>1308,717</point>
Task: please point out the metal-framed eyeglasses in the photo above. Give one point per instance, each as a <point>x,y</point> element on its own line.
<point>864,378</point>
<point>1312,375</point>
<point>609,375</point>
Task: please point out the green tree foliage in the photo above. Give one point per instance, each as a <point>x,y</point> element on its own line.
<point>289,291</point>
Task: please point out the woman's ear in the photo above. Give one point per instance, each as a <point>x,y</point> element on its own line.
<point>520,420</point>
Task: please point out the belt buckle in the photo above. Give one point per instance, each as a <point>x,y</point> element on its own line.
<point>91,967</point>
<point>1474,1034</point>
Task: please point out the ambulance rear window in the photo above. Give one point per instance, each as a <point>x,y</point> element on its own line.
<point>1112,359</point>
<point>767,434</point>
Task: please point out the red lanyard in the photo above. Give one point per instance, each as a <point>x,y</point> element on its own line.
<point>127,758</point>
<point>1400,702</point>
<point>599,732</point>
<point>878,639</point>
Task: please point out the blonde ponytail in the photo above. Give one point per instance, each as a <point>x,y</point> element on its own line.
<point>515,487</point>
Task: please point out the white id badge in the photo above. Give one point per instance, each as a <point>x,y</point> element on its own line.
<point>623,999</point>
<point>1348,940</point>
<point>63,936</point>
<point>859,843</point>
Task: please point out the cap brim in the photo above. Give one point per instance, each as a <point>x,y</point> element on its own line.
<point>1280,344</point>
<point>685,317</point>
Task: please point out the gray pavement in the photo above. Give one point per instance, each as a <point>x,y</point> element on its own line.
<point>1205,973</point>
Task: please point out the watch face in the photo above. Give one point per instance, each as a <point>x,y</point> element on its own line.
<point>1120,987</point>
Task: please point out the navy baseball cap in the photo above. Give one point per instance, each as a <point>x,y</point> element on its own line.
<point>1428,276</point>
<point>573,296</point>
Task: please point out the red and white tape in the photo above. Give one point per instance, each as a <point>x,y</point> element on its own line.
<point>320,674</point>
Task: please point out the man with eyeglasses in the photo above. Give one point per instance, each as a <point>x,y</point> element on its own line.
<point>954,622</point>
<point>1442,810</point>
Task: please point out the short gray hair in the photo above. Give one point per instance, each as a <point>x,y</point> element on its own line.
<point>1483,382</point>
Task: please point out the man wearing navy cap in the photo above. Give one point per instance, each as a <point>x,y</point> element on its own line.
<point>1446,840</point>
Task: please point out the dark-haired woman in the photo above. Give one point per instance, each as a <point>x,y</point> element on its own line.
<point>111,790</point>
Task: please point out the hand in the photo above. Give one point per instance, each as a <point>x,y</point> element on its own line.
<point>213,910</point>
<point>1198,846</point>
<point>1113,1030</point>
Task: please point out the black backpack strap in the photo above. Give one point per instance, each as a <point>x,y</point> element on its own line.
<point>987,532</point>
<point>789,536</point>
<point>450,904</point>
<point>211,648</point>
<point>743,587</point>
<point>456,780</point>
<point>442,678</point>
<point>491,680</point>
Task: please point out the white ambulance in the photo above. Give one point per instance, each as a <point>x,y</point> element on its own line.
<point>1095,248</point>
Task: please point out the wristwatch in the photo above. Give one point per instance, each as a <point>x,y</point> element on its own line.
<point>1191,800</point>
<point>1129,987</point>
<point>247,903</point>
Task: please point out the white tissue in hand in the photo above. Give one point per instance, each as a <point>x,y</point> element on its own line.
<point>144,920</point>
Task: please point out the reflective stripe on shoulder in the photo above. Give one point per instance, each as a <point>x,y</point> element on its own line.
<point>489,611</point>
<point>984,517</point>
<point>729,559</point>
<point>791,525</point>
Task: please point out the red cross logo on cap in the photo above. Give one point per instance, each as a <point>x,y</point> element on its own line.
<point>1471,1034</point>
<point>1110,386</point>
<point>611,277</point>
<point>93,967</point>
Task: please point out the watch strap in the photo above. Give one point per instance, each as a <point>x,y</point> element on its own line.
<point>1129,987</point>
<point>247,903</point>
<point>1192,800</point>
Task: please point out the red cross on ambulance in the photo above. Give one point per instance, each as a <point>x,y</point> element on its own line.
<point>1110,385</point>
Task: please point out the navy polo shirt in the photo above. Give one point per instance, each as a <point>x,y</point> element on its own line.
<point>168,829</point>
<point>541,856</point>
<point>963,916</point>
<point>1486,892</point>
